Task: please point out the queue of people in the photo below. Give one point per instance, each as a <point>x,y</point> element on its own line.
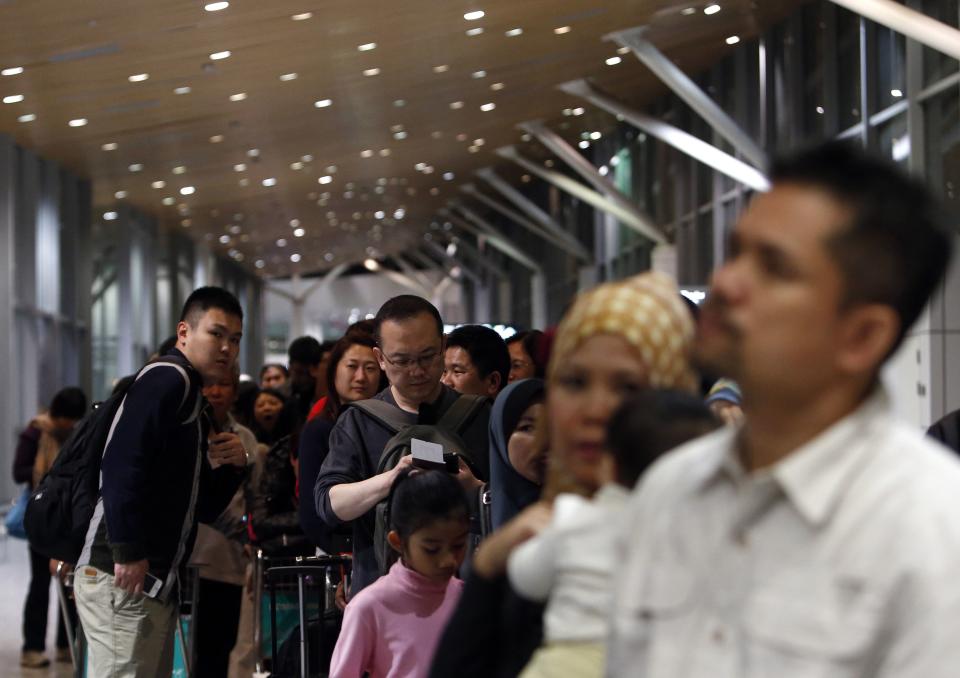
<point>607,515</point>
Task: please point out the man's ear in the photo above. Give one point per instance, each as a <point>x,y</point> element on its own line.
<point>183,329</point>
<point>493,383</point>
<point>378,354</point>
<point>869,332</point>
<point>393,538</point>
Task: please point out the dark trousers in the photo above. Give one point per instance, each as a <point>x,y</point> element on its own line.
<point>217,616</point>
<point>36,606</point>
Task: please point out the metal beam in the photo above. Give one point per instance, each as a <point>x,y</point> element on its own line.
<point>634,220</point>
<point>411,271</point>
<point>583,167</point>
<point>574,248</point>
<point>685,88</point>
<point>913,24</point>
<point>453,261</point>
<point>404,280</point>
<point>482,228</point>
<point>674,136</point>
<point>472,251</point>
<point>533,211</point>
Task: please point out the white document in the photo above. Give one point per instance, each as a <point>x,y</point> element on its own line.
<point>421,449</point>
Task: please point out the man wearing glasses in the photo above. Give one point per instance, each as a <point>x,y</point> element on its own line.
<point>409,335</point>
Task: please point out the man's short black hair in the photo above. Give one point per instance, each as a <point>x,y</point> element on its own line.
<point>896,246</point>
<point>327,346</point>
<point>305,350</point>
<point>203,299</point>
<point>70,403</point>
<point>282,368</point>
<point>402,308</point>
<point>487,349</point>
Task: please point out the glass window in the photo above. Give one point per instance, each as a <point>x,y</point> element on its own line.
<point>889,53</point>
<point>943,146</point>
<point>937,65</point>
<point>893,139</point>
<point>814,96</point>
<point>848,68</point>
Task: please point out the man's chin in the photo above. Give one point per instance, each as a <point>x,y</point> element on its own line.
<point>716,360</point>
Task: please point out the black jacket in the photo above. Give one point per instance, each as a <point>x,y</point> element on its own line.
<point>274,516</point>
<point>356,443</point>
<point>149,502</point>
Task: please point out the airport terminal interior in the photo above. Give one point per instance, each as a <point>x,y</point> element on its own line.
<point>495,157</point>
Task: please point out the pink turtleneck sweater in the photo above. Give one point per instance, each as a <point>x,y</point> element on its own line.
<point>392,627</point>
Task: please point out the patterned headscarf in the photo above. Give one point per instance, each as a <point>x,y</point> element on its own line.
<point>648,313</point>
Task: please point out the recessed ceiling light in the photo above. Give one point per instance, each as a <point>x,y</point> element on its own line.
<point>168,201</point>
<point>27,117</point>
<point>488,107</point>
<point>578,111</point>
<point>733,39</point>
<point>384,152</point>
<point>456,104</point>
<point>295,257</point>
<point>253,153</point>
<point>224,239</point>
<point>473,149</point>
<point>188,190</point>
<point>687,11</point>
<point>15,70</point>
<point>120,195</point>
<point>399,103</point>
<point>244,182</point>
<point>325,179</point>
<point>420,166</point>
<point>479,74</point>
<point>135,167</point>
<point>448,176</point>
<point>367,46</point>
<point>287,77</point>
<point>331,169</point>
<point>323,103</point>
<point>13,99</point>
<point>111,146</point>
<point>371,72</point>
<point>514,32</point>
<point>396,128</point>
<point>109,216</point>
<point>260,263</point>
<point>367,153</point>
<point>269,181</point>
<point>78,122</point>
<point>139,77</point>
<point>296,166</point>
<point>306,158</point>
<point>584,144</point>
<point>497,86</point>
<point>479,142</point>
<point>623,50</point>
<point>400,136</point>
<point>179,169</point>
<point>525,137</point>
<point>299,232</point>
<point>303,16</point>
<point>473,16</point>
<point>240,167</point>
<point>379,214</point>
<point>239,96</point>
<point>281,242</point>
<point>820,110</point>
<point>216,6</point>
<point>613,61</point>
<point>182,90</point>
<point>711,9</point>
<point>560,30</point>
<point>216,138</point>
<point>896,93</point>
<point>461,137</point>
<point>595,135</point>
<point>217,56</point>
<point>442,68</point>
<point>158,184</point>
<point>475,31</point>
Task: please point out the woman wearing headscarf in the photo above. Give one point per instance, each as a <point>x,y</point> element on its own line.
<point>616,339</point>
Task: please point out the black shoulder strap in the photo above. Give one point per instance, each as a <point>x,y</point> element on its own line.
<point>389,416</point>
<point>185,368</point>
<point>461,413</point>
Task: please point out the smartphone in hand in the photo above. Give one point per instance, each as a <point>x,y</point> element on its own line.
<point>151,586</point>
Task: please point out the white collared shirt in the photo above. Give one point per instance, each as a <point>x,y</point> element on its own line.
<point>842,560</point>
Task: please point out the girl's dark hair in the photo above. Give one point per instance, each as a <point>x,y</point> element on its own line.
<point>651,422</point>
<point>419,497</point>
<point>359,333</point>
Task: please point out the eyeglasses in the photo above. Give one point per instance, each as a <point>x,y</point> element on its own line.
<point>405,363</point>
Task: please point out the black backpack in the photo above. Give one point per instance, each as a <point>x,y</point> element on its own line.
<point>61,506</point>
<point>446,432</point>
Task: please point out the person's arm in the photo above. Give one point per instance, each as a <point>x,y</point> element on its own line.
<point>490,560</point>
<point>531,566</point>
<point>27,445</point>
<point>219,485</point>
<point>344,490</point>
<point>353,654</point>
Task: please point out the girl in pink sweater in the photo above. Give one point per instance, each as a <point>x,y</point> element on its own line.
<point>391,628</point>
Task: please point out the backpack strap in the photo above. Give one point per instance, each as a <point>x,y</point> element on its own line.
<point>187,386</point>
<point>389,416</point>
<point>461,413</point>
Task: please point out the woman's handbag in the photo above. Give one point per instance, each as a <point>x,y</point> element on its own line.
<point>13,521</point>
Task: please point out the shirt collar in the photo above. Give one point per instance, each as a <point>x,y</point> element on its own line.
<point>814,476</point>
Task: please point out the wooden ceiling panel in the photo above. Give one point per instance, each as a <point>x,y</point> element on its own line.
<point>373,138</point>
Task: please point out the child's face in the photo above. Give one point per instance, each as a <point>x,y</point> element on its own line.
<point>436,551</point>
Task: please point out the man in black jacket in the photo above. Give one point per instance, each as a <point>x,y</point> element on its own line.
<point>409,336</point>
<point>157,481</point>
